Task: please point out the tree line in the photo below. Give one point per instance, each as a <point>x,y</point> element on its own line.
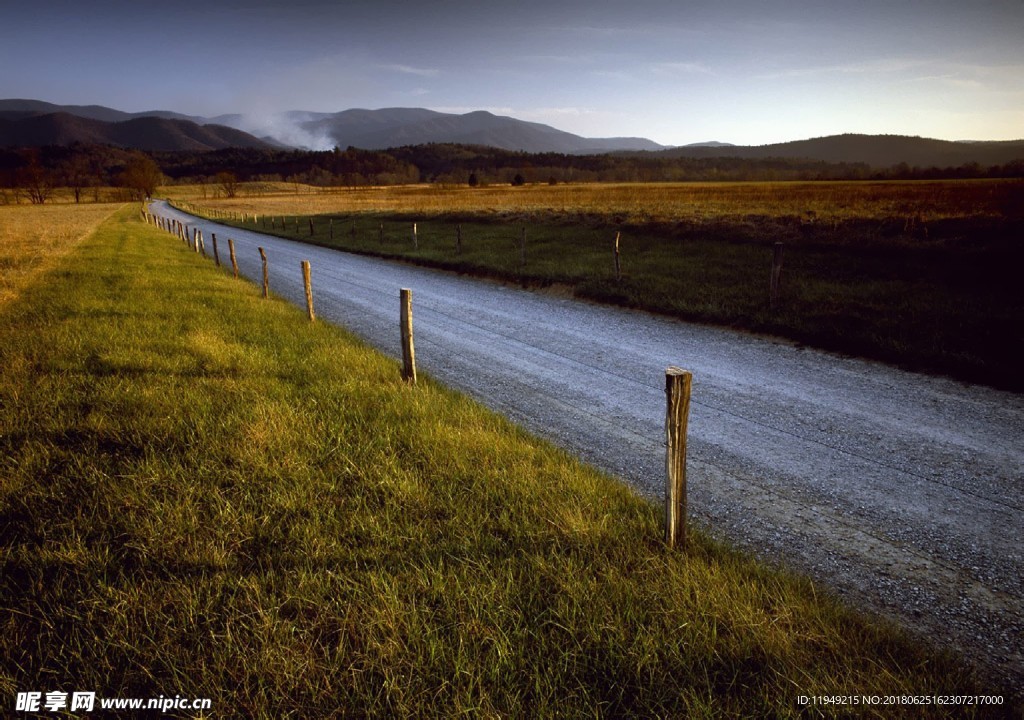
<point>36,172</point>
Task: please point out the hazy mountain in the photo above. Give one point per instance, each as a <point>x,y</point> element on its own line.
<point>18,109</point>
<point>144,133</point>
<point>366,129</point>
<point>395,127</point>
<point>881,151</point>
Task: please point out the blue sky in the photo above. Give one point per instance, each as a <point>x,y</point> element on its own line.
<point>749,72</point>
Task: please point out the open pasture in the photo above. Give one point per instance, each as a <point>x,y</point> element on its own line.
<point>823,202</point>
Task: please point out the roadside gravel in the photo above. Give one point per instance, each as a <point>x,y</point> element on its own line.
<point>900,492</point>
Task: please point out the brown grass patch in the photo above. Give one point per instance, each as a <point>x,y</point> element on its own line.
<point>812,202</point>
<point>32,237</point>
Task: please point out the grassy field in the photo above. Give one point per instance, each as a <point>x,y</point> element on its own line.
<point>920,274</point>
<point>34,237</point>
<point>202,494</point>
<point>633,202</point>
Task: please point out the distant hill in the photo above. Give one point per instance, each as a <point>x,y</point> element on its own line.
<point>143,133</point>
<point>17,109</point>
<point>396,127</point>
<point>879,151</point>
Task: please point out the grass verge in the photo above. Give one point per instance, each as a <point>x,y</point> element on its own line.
<point>202,494</point>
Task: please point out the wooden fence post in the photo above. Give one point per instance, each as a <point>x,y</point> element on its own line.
<point>309,290</point>
<point>408,351</point>
<point>330,229</point>
<point>311,227</point>
<point>773,291</point>
<point>231,251</point>
<point>202,245</point>
<point>266,275</point>
<point>216,255</point>
<point>415,238</point>
<point>382,233</point>
<point>677,391</point>
<point>458,239</point>
<point>618,264</point>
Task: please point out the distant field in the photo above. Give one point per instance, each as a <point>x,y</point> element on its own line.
<point>203,494</point>
<point>922,274</point>
<point>637,203</point>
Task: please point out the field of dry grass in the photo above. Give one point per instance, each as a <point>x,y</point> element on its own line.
<point>33,237</point>
<point>824,202</point>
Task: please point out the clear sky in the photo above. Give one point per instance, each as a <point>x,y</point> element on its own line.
<point>746,72</point>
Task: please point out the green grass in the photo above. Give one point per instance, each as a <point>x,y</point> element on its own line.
<point>202,494</point>
<point>941,296</point>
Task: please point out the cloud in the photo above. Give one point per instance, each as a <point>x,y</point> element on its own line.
<point>410,70</point>
<point>680,68</point>
<point>881,66</point>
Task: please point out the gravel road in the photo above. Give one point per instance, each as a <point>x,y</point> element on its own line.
<point>900,492</point>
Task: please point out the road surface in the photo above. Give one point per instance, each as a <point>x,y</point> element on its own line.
<point>901,492</point>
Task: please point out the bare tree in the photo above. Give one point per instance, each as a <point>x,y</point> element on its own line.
<point>35,180</point>
<point>141,177</point>
<point>228,182</point>
<point>77,173</point>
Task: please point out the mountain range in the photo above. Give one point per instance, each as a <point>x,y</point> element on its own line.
<point>34,122</point>
<point>38,123</point>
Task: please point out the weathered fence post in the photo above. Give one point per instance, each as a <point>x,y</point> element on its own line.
<point>330,229</point>
<point>311,227</point>
<point>415,238</point>
<point>309,290</point>
<point>773,291</point>
<point>266,275</point>
<point>458,239</point>
<point>408,350</point>
<point>202,245</point>
<point>677,391</point>
<point>618,264</point>
<point>195,239</point>
<point>231,251</point>
<point>216,255</point>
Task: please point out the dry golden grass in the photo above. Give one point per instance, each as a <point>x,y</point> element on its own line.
<point>631,202</point>
<point>33,237</point>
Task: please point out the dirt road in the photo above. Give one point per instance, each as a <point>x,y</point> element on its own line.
<point>900,492</point>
